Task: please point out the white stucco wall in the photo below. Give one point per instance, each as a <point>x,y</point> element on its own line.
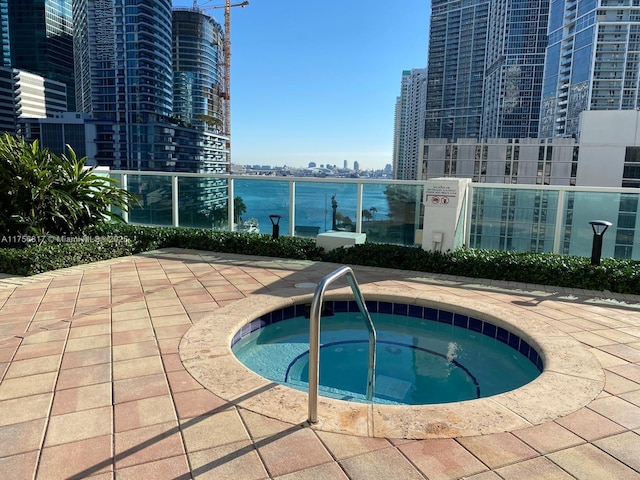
<point>600,165</point>
<point>612,127</point>
<point>604,136</point>
<point>603,141</point>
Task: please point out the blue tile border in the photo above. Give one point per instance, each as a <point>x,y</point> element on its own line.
<point>400,309</point>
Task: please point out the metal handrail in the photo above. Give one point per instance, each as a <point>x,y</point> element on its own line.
<point>314,337</point>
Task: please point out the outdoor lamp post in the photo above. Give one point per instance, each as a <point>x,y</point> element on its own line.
<point>275,222</point>
<point>334,207</point>
<point>598,227</point>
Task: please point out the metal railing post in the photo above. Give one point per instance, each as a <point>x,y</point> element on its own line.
<point>175,197</point>
<point>125,185</point>
<point>230,205</point>
<point>314,337</point>
<point>359,190</point>
<point>292,207</point>
<point>558,232</point>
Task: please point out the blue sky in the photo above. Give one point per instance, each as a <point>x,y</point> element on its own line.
<point>317,80</point>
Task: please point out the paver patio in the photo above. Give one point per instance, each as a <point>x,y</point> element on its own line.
<point>92,384</point>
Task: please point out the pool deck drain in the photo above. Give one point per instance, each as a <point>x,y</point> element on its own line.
<point>92,385</point>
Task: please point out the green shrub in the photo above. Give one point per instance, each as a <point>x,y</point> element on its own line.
<point>45,194</point>
<point>47,256</point>
<point>113,240</point>
<point>151,238</point>
<point>622,276</point>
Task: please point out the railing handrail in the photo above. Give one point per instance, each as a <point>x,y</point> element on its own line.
<point>553,188</point>
<point>287,178</point>
<point>367,180</point>
<point>314,336</point>
<point>502,220</point>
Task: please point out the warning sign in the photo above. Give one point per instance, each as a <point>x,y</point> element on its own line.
<point>439,200</point>
<point>441,194</point>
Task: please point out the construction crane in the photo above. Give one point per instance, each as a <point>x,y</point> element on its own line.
<point>226,81</point>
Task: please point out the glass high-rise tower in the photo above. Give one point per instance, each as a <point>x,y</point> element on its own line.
<point>457,44</point>
<point>122,54</point>
<point>485,68</point>
<point>37,36</point>
<point>593,62</point>
<point>197,44</point>
<point>197,52</point>
<point>514,67</point>
<point>197,69</point>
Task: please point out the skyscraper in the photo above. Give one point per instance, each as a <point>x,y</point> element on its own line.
<point>122,54</point>
<point>485,68</point>
<point>125,77</point>
<point>197,69</point>
<point>25,94</point>
<point>197,52</point>
<point>515,52</point>
<point>4,34</point>
<point>593,62</point>
<point>37,36</point>
<point>409,124</point>
<point>39,97</point>
<point>457,44</point>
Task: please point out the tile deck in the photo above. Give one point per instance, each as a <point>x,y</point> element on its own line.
<point>93,385</point>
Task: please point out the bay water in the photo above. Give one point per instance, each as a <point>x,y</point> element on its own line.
<point>313,201</point>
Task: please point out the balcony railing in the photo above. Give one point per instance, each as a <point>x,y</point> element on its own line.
<point>498,216</point>
<point>553,219</point>
<point>387,211</point>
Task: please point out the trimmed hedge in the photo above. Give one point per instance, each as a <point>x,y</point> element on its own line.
<point>118,240</point>
<point>110,241</point>
<point>152,238</point>
<point>53,254</point>
<point>615,275</point>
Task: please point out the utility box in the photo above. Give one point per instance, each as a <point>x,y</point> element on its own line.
<point>444,203</point>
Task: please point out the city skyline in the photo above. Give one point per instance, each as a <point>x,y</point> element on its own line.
<point>318,81</point>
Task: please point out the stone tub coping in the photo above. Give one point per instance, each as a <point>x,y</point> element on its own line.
<point>572,377</point>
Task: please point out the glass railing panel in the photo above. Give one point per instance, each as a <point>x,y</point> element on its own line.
<point>627,243</point>
<point>202,203</point>
<point>118,178</point>
<point>391,213</point>
<point>155,195</point>
<point>314,207</point>
<point>583,207</point>
<point>513,219</point>
<point>256,199</point>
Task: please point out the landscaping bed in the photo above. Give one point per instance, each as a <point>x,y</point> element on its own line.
<point>116,240</point>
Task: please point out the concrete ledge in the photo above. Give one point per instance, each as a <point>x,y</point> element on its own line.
<point>332,240</point>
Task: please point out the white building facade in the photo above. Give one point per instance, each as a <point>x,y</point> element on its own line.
<point>409,124</point>
<point>606,153</point>
<point>39,97</point>
<point>24,94</point>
